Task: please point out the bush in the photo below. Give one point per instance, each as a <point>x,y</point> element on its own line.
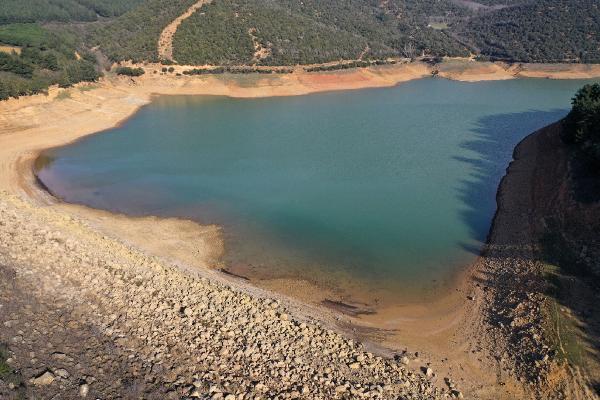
<point>48,57</point>
<point>128,71</point>
<point>79,71</point>
<point>581,128</point>
<point>14,64</point>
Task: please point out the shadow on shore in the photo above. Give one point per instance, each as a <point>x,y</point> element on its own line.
<point>552,223</point>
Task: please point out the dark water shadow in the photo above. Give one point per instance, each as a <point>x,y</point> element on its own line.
<point>493,143</point>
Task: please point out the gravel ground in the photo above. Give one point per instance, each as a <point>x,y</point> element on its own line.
<point>84,315</point>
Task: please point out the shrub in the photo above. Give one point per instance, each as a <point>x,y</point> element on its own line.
<point>128,71</point>
<point>581,128</point>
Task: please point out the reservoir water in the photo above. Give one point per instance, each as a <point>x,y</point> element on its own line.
<point>389,188</point>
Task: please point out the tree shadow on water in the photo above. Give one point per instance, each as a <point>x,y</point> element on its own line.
<point>492,146</point>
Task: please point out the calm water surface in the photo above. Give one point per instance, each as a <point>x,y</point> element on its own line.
<point>391,187</point>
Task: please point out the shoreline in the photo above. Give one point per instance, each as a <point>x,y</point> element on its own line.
<point>112,101</point>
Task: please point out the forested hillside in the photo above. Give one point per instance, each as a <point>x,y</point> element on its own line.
<point>40,45</point>
<point>12,11</point>
<point>134,35</point>
<point>290,31</point>
<point>293,32</point>
<point>57,41</point>
<point>538,31</point>
<point>46,57</point>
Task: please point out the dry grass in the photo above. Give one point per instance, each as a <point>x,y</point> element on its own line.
<point>4,48</point>
<point>561,328</point>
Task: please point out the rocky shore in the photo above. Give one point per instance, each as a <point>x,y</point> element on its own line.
<point>510,279</point>
<point>85,316</point>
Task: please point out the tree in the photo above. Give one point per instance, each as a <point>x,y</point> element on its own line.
<point>581,128</point>
<point>5,90</point>
<point>409,51</point>
<point>128,71</point>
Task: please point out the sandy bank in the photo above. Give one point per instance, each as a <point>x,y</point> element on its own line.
<point>472,71</point>
<point>437,331</point>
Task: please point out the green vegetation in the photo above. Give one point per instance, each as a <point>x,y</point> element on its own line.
<point>13,11</point>
<point>128,71</point>
<point>110,8</point>
<point>8,375</point>
<point>234,70</point>
<point>134,35</point>
<point>56,35</point>
<point>567,277</point>
<point>348,65</point>
<point>570,244</point>
<point>581,128</point>
<point>499,2</point>
<point>225,38</point>
<point>538,31</point>
<point>48,56</point>
<point>64,95</point>
<point>5,369</point>
<point>561,329</point>
<point>292,32</point>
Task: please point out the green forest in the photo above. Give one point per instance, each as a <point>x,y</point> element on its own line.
<point>60,41</point>
<point>13,11</point>
<point>47,57</point>
<point>538,31</point>
<point>290,32</point>
<point>48,47</point>
<point>134,35</point>
<point>310,32</point>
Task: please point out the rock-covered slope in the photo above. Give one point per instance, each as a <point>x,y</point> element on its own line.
<point>540,332</point>
<point>84,315</point>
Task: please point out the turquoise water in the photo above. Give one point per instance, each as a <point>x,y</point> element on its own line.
<point>391,187</point>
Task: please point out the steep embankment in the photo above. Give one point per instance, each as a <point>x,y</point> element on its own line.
<point>511,278</point>
<point>84,312</point>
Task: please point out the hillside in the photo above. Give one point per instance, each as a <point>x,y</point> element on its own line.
<point>290,32</point>
<point>41,57</point>
<point>46,42</point>
<point>134,36</point>
<point>12,11</point>
<point>41,42</point>
<point>538,31</point>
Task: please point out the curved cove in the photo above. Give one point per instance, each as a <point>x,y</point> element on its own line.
<point>383,189</point>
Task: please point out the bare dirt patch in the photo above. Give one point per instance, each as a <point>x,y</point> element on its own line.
<point>4,48</point>
<point>261,52</point>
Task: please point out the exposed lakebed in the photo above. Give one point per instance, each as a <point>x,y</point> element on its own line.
<point>382,188</point>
